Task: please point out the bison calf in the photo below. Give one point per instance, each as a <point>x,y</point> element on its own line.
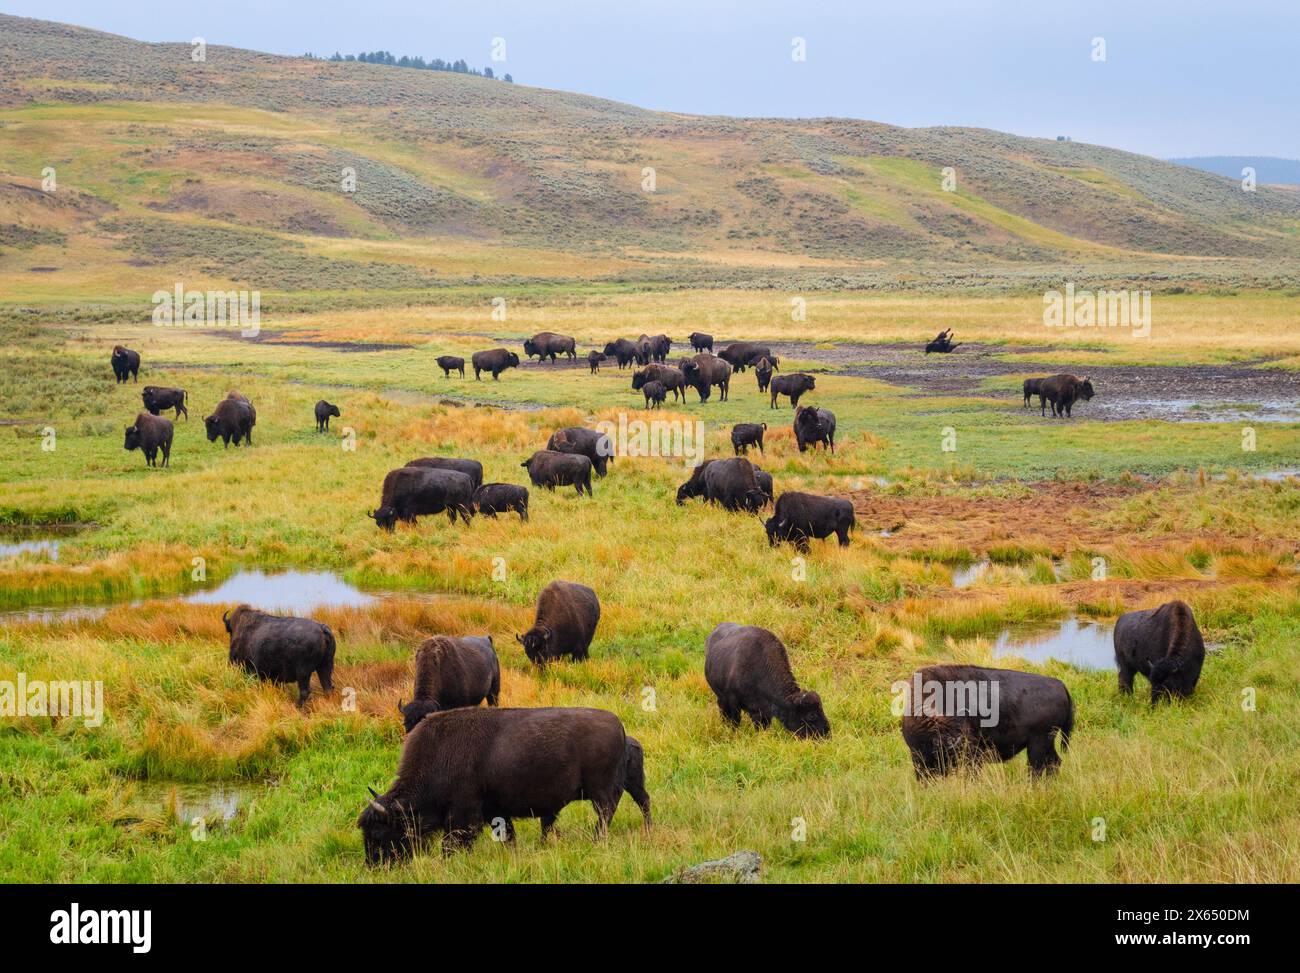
<point>150,434</point>
<point>281,649</point>
<point>499,498</point>
<point>594,358</point>
<point>654,393</point>
<point>323,412</point>
<point>449,364</point>
<point>749,672</point>
<point>793,386</point>
<point>746,434</point>
<point>1164,645</point>
<point>156,398</point>
<point>451,673</point>
<point>565,624</point>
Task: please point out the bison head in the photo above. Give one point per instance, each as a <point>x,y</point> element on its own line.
<point>132,438</point>
<point>755,500</point>
<point>512,360</point>
<point>1085,390</point>
<point>804,716</point>
<point>770,526</point>
<point>638,380</point>
<point>384,828</point>
<point>416,710</point>
<point>213,426</point>
<point>331,410</point>
<point>385,517</point>
<point>537,642</point>
<point>530,347</point>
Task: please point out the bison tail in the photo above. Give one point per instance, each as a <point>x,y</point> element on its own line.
<point>1067,727</point>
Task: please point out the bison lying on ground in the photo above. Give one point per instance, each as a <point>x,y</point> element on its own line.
<point>565,624</point>
<point>452,672</point>
<point>1033,386</point>
<point>594,358</point>
<point>1063,391</point>
<point>281,649</point>
<point>700,341</point>
<point>157,397</point>
<point>415,491</point>
<point>470,467</point>
<point>792,385</point>
<point>746,434</point>
<point>800,516</point>
<point>623,351</point>
<point>232,419</point>
<point>549,468</point>
<point>499,498</point>
<point>942,342</point>
<point>449,364</point>
<point>957,715</point>
<point>466,768</point>
<point>323,412</point>
<point>150,434</point>
<point>813,426</point>
<point>705,371</point>
<point>126,364</point>
<point>749,672</point>
<point>495,361</point>
<point>548,344</point>
<point>1164,645</point>
<point>594,445</point>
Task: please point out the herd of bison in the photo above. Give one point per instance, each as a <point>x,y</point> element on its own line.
<point>464,767</point>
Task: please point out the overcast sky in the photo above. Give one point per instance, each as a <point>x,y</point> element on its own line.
<point>1192,77</point>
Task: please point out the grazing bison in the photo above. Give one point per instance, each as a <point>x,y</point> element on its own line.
<point>450,673</point>
<point>749,672</point>
<point>232,419</point>
<point>792,385</point>
<point>157,397</point>
<point>1033,386</point>
<point>567,615</point>
<point>495,361</point>
<point>150,434</point>
<point>449,364</point>
<point>764,481</point>
<point>1164,645</point>
<point>731,483</point>
<point>623,351</point>
<point>323,412</point>
<point>550,468</point>
<point>800,516</point>
<point>700,341</point>
<point>594,358</point>
<point>763,372</point>
<point>470,467</point>
<point>126,364</point>
<point>594,445</point>
<point>746,434</point>
<point>548,344</point>
<point>281,649</point>
<point>705,371</point>
<point>654,394</point>
<point>1063,391</point>
<point>415,491</point>
<point>466,768</point>
<point>500,498</point>
<point>942,342</point>
<point>813,426</point>
<point>669,376</point>
<point>744,354</point>
<point>959,715</point>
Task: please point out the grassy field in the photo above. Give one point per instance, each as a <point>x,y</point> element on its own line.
<point>1202,791</point>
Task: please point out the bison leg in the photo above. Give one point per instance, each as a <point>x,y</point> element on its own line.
<point>478,376</point>
<point>167,454</point>
<point>762,717</point>
<point>462,828</point>
<point>605,807</point>
<point>1043,758</point>
<point>730,711</point>
<point>326,676</point>
<point>843,535</point>
<point>1126,673</point>
<point>548,825</point>
<point>494,691</point>
<point>304,689</point>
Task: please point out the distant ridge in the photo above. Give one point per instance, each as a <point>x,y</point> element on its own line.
<point>1268,169</point>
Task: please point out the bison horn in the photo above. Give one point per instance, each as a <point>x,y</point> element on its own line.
<point>518,639</point>
<point>225,616</point>
<point>400,707</point>
<point>373,792</point>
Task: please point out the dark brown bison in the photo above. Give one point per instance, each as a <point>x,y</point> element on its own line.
<point>549,468</point>
<point>466,768</point>
<point>813,426</point>
<point>150,434</point>
<point>800,516</point>
<point>416,491</point>
<point>660,345</point>
<point>669,376</point>
<point>644,350</point>
<point>623,351</point>
<point>281,649</point>
<point>942,342</point>
<point>499,498</point>
<point>749,672</point>
<point>700,341</point>
<point>731,484</point>
<point>745,354</point>
<point>548,344</point>
<point>594,358</point>
<point>763,372</point>
<point>764,481</point>
<point>495,361</point>
<point>1063,391</point>
<point>565,624</point>
<point>746,434</point>
<point>232,419</point>
<point>156,398</point>
<point>591,443</point>
<point>793,385</point>
<point>451,672</point>
<point>959,715</point>
<point>1033,386</point>
<point>470,467</point>
<point>1164,645</point>
<point>705,371</point>
<point>449,364</point>
<point>126,364</point>
<point>654,394</point>
<point>323,412</point>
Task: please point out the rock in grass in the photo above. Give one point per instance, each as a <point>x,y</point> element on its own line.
<point>742,868</point>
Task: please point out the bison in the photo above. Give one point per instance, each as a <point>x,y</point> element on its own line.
<point>813,426</point>
<point>1164,645</point>
<point>749,672</point>
<point>660,345</point>
<point>495,361</point>
<point>464,768</point>
<point>793,386</point>
<point>1033,386</point>
<point>156,398</point>
<point>743,354</point>
<point>942,342</point>
<point>232,419</point>
<point>800,516</point>
<point>126,364</point>
<point>764,481</point>
<point>957,715</point>
<point>449,364</point>
<point>415,491</point>
<point>150,434</point>
<point>549,468</point>
<point>281,649</point>
<point>452,672</point>
<point>548,344</point>
<point>700,341</point>
<point>731,483</point>
<point>623,351</point>
<point>746,434</point>
<point>499,498</point>
<point>763,372</point>
<point>1063,391</point>
<point>705,371</point>
<point>669,376</point>
<point>654,395</point>
<point>323,412</point>
<point>567,615</point>
<point>594,445</point>
<point>594,358</point>
<point>470,467</point>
